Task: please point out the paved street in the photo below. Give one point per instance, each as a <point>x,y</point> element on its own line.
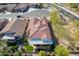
<point>72,13</point>
<point>31,12</point>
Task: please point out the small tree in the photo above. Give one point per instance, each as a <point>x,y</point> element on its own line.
<point>54,18</point>
<point>41,53</point>
<point>61,51</point>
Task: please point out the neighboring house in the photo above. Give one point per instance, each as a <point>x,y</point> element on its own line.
<point>2,8</point>
<point>10,7</point>
<point>14,29</point>
<point>3,23</point>
<point>40,5</point>
<point>38,32</point>
<point>37,5</point>
<point>22,7</point>
<point>14,7</point>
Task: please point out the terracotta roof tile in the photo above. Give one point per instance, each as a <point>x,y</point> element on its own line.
<point>40,29</point>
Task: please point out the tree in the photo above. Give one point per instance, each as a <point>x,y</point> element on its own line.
<point>73,5</point>
<point>61,51</point>
<point>41,53</point>
<point>54,18</point>
<point>24,39</point>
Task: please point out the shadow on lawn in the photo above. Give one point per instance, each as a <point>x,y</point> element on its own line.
<point>54,39</point>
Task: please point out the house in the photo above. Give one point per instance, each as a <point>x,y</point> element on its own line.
<point>14,7</point>
<point>14,29</point>
<point>2,8</point>
<point>22,7</point>
<point>10,7</point>
<point>38,33</point>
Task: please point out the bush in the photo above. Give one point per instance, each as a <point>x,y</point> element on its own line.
<point>17,53</point>
<point>28,48</point>
<point>41,53</point>
<point>61,51</point>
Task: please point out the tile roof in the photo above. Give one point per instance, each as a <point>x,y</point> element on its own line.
<point>10,6</point>
<point>22,5</point>
<point>15,25</point>
<point>40,29</point>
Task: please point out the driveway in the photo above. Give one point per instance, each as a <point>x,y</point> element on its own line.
<point>31,12</point>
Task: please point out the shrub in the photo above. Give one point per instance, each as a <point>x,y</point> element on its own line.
<point>28,48</point>
<point>41,53</point>
<point>61,51</point>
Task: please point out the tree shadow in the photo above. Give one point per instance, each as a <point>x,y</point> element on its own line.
<point>54,38</point>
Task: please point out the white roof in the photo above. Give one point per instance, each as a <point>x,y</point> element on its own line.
<point>7,37</point>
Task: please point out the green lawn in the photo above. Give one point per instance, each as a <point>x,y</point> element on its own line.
<point>59,31</point>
